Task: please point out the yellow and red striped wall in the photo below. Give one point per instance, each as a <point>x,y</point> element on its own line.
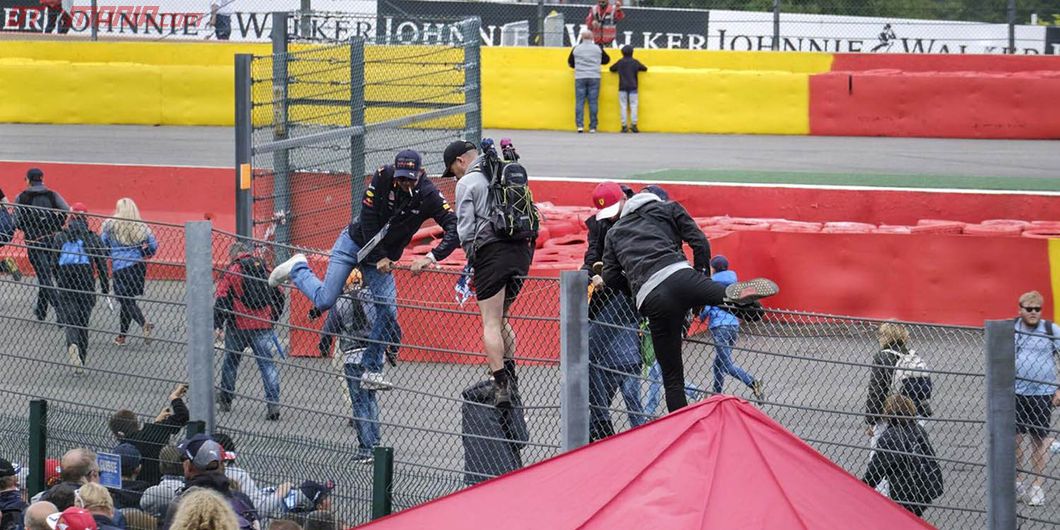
<point>684,91</point>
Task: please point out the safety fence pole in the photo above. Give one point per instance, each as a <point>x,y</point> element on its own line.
<point>198,250</point>
<point>38,445</point>
<point>382,482</point>
<point>1001,425</point>
<point>574,359</point>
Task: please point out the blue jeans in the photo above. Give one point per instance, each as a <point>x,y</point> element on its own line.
<point>365,410</point>
<point>341,262</point>
<point>385,328</point>
<point>603,383</point>
<point>724,340</point>
<point>262,343</point>
<point>655,389</point>
<point>586,89</point>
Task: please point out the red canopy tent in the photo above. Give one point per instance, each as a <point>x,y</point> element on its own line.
<point>720,464</point>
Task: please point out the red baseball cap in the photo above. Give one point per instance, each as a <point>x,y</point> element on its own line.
<point>79,207</point>
<point>607,198</point>
<point>52,469</point>
<point>72,519</point>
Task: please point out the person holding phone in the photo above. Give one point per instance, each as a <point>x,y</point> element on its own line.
<point>150,438</point>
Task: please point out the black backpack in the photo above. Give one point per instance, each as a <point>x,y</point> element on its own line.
<point>513,215</point>
<point>38,221</point>
<point>257,293</point>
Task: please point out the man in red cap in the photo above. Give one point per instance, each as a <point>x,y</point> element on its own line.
<point>72,519</point>
<point>614,345</point>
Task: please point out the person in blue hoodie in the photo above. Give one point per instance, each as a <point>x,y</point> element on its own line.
<point>129,241</point>
<point>78,251</point>
<point>725,328</point>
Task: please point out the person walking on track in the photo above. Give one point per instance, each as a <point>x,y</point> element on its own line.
<point>129,241</point>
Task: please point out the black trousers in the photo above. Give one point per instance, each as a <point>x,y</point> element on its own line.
<point>75,310</point>
<point>130,311</point>
<point>41,261</point>
<point>666,308</point>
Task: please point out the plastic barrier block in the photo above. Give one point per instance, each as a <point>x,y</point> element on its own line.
<point>993,230</point>
<point>844,62</point>
<point>1043,233</point>
<point>845,227</point>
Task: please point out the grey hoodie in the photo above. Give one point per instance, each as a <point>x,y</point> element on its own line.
<point>473,209</point>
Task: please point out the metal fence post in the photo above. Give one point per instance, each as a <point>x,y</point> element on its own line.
<point>472,79</point>
<point>574,359</point>
<point>281,173</point>
<point>198,249</point>
<point>244,135</point>
<point>38,445</point>
<point>1001,425</point>
<point>305,19</point>
<point>357,79</point>
<point>776,25</point>
<point>195,427</point>
<point>382,482</point>
<point>1012,26</point>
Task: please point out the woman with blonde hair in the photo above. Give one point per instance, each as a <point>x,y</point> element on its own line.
<point>130,241</point>
<point>203,509</point>
<point>95,499</point>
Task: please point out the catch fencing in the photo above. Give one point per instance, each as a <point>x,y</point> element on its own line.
<point>314,120</point>
<point>443,435</point>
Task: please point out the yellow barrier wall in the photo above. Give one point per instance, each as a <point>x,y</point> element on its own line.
<point>178,83</point>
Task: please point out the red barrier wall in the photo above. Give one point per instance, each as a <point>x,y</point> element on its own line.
<point>937,278</point>
<point>935,104</point>
<point>824,205</point>
<point>854,62</point>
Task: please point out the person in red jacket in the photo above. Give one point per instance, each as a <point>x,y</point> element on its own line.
<point>246,307</point>
<point>602,20</point>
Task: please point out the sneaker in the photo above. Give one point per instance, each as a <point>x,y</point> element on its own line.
<point>75,359</point>
<point>749,291</point>
<point>272,413</point>
<point>375,381</point>
<point>148,328</point>
<point>283,270</point>
<point>120,340</point>
<point>592,131</point>
<point>364,460</point>
<point>502,397</point>
<point>1035,496</point>
<point>224,405</point>
<point>391,355</point>
<point>625,129</point>
<point>580,130</point>
<point>634,128</point>
<point>1021,491</point>
<point>9,266</point>
<point>757,388</point>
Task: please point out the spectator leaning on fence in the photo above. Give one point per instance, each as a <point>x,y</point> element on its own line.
<point>398,201</point>
<point>1037,393</point>
<point>11,503</point>
<point>614,340</point>
<point>628,69</point>
<point>7,232</point>
<point>152,437</point>
<point>351,320</point>
<point>78,252</point>
<point>602,21</point>
<point>40,213</point>
<point>905,458</point>
<point>204,470</point>
<point>586,58</point>
<point>156,498</point>
<point>129,241</point>
<point>643,258</point>
<point>255,307</point>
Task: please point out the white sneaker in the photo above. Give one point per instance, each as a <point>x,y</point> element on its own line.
<point>1021,491</point>
<point>375,381</point>
<point>1035,496</point>
<point>283,270</point>
<point>75,359</point>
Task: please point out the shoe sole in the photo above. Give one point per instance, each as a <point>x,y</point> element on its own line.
<point>376,386</point>
<point>283,272</point>
<point>751,290</point>
<point>75,359</point>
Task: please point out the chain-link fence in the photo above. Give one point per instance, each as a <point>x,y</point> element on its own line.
<point>1037,346</point>
<point>320,118</point>
<point>298,408</point>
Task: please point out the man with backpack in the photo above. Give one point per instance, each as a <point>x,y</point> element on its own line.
<point>250,306</point>
<point>497,223</point>
<point>398,201</point>
<point>1037,393</point>
<point>203,461</point>
<point>39,214</point>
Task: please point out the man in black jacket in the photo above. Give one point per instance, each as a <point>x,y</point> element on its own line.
<point>150,439</point>
<point>643,257</point>
<point>397,202</point>
<point>79,257</point>
<point>204,468</point>
<point>39,214</point>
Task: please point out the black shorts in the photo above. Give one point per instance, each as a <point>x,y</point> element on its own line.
<point>501,265</point>
<point>1034,414</point>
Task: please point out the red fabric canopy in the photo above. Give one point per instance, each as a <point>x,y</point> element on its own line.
<point>719,464</point>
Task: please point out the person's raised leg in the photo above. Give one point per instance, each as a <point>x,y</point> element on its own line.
<point>323,294</point>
